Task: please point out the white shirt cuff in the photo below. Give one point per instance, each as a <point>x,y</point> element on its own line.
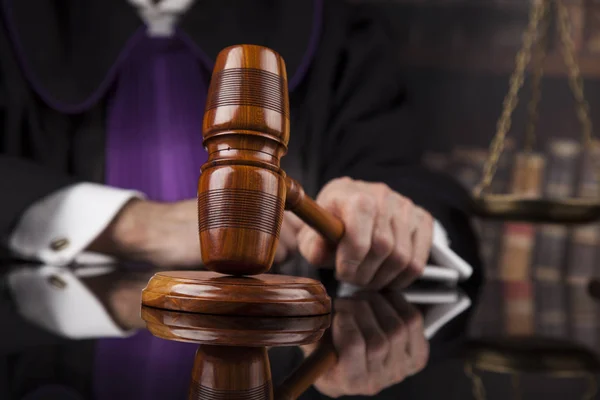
<point>54,299</point>
<point>56,229</point>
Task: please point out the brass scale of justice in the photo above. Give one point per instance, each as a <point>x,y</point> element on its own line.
<point>518,356</point>
<point>515,207</point>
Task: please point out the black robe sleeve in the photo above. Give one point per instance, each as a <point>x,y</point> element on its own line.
<point>371,135</point>
<point>22,182</point>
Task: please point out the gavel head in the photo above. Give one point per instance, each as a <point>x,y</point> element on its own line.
<point>241,190</point>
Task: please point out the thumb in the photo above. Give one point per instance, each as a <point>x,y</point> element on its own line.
<point>314,248</point>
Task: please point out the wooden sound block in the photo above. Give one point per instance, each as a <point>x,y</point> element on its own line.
<point>227,330</point>
<point>257,296</point>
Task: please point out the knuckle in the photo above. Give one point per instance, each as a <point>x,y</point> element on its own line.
<point>406,202</point>
<point>427,219</point>
<point>361,202</point>
<point>334,184</point>
<point>398,334</point>
<point>421,361</point>
<point>378,347</point>
<point>354,384</point>
<point>402,254</point>
<point>400,374</point>
<point>383,242</point>
<point>382,190</point>
<point>415,321</point>
<point>417,266</point>
<point>347,268</point>
<point>344,180</point>
<point>356,345</point>
<point>372,389</point>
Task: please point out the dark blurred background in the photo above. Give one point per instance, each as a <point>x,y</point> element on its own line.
<point>458,56</point>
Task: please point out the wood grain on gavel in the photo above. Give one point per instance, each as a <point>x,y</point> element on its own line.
<point>242,195</point>
<point>242,191</point>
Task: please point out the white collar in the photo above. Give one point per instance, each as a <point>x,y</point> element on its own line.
<point>161,17</point>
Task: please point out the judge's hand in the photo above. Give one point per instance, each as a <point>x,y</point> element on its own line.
<point>387,238</point>
<point>379,341</point>
<point>166,234</point>
<point>162,234</point>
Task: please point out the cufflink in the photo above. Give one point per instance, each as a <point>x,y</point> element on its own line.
<point>59,244</point>
<point>57,282</point>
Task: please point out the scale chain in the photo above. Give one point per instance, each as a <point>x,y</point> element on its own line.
<point>511,99</point>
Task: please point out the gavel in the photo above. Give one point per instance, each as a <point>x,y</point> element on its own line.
<point>242,195</point>
<point>242,190</point>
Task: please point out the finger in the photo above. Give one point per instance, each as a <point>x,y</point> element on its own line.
<point>386,316</point>
<point>402,224</point>
<point>287,243</point>
<point>396,332</point>
<point>358,215</point>
<point>422,240</point>
<point>377,346</point>
<point>417,346</point>
<point>293,221</point>
<point>351,348</point>
<point>314,247</point>
<point>382,240</point>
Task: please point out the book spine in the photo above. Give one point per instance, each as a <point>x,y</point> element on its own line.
<point>519,238</point>
<point>551,244</point>
<point>585,239</point>
<point>592,29</point>
<point>519,318</point>
<point>583,315</point>
<point>491,231</point>
<point>550,309</point>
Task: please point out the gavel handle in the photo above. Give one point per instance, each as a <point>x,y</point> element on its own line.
<point>315,365</point>
<point>324,356</point>
<point>327,224</point>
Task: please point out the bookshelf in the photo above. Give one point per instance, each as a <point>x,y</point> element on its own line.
<point>494,62</point>
<point>483,36</point>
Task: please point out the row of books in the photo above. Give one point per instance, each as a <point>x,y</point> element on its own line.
<point>537,308</point>
<point>545,252</point>
<point>484,34</point>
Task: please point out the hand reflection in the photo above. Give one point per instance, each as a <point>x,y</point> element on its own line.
<point>121,294</point>
<point>379,340</point>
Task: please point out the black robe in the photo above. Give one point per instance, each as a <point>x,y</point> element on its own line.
<point>350,113</point>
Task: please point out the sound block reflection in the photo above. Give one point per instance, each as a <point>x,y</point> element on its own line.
<point>256,296</point>
<point>232,360</point>
<point>234,331</point>
<point>550,356</point>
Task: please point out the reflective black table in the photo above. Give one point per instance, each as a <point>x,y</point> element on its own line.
<point>77,333</point>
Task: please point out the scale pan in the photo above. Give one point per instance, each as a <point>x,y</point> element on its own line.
<point>544,355</point>
<point>551,211</point>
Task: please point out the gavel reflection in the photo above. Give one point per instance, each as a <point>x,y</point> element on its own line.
<point>242,194</point>
<point>232,361</point>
